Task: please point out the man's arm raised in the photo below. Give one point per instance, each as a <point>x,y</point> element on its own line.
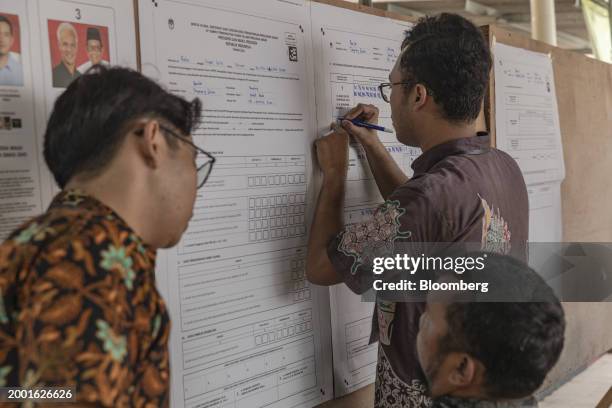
<point>332,154</point>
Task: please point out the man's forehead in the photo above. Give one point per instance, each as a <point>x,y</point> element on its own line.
<point>67,31</point>
<point>395,73</point>
<point>444,296</point>
<point>440,297</point>
<point>437,310</point>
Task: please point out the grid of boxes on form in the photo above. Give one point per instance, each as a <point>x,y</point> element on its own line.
<point>301,290</point>
<point>292,325</point>
<point>276,180</point>
<point>285,332</point>
<point>277,216</point>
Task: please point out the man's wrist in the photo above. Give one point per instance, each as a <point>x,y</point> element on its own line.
<point>370,140</point>
<point>334,179</point>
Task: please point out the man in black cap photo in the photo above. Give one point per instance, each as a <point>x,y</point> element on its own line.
<point>95,49</point>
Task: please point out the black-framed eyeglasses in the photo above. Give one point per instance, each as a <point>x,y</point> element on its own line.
<point>385,89</point>
<point>205,169</point>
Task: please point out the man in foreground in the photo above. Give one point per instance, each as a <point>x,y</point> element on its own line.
<point>79,306</point>
<point>480,352</point>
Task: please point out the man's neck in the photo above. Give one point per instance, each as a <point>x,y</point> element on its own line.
<point>70,68</point>
<point>4,59</point>
<point>123,198</point>
<point>446,132</point>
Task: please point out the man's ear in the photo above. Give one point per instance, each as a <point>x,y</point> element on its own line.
<point>465,370</point>
<point>149,144</point>
<point>420,96</point>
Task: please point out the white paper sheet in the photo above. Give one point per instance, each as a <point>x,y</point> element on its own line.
<point>527,128</point>
<point>248,329</point>
<point>545,223</point>
<point>545,212</point>
<point>526,113</point>
<point>20,185</point>
<point>26,186</point>
<point>355,52</point>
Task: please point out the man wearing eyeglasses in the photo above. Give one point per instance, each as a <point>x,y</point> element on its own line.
<point>462,190</point>
<point>79,306</point>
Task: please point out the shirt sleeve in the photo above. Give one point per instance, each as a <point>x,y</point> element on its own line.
<point>399,225</point>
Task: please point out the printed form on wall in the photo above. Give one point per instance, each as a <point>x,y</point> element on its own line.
<point>354,53</point>
<point>43,47</point>
<point>20,184</point>
<point>248,329</point>
<point>527,128</point>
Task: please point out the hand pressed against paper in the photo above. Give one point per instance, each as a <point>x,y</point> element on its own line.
<point>332,152</point>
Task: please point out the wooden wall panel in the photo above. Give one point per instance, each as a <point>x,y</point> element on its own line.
<point>584,95</point>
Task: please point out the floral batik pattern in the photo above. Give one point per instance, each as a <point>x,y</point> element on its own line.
<point>386,313</point>
<point>392,392</point>
<point>375,237</point>
<point>495,231</point>
<point>79,307</point>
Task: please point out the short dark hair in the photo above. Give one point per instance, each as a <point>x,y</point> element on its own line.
<point>91,118</point>
<point>449,55</point>
<point>3,19</point>
<point>517,342</point>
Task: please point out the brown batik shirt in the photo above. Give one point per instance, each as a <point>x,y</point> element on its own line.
<point>79,307</point>
<point>461,191</point>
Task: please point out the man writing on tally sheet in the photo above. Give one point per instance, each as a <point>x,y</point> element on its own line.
<point>462,190</point>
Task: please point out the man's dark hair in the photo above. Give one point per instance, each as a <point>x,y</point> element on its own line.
<point>519,341</point>
<point>90,119</point>
<point>449,55</point>
<point>3,19</point>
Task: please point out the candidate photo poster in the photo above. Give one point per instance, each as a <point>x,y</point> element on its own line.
<point>74,48</point>
<point>11,69</point>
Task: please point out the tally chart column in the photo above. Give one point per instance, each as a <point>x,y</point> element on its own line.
<point>248,329</point>
<point>354,53</point>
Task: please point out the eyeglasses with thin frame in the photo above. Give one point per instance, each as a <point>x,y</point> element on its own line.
<point>385,89</point>
<point>205,169</point>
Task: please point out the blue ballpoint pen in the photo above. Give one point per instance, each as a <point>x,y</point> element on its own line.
<point>367,125</point>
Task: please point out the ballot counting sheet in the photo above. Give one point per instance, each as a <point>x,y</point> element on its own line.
<point>527,128</point>
<point>248,329</point>
<point>526,114</point>
<point>29,89</point>
<point>354,53</point>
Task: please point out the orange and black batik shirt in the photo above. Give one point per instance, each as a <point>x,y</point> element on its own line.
<point>79,307</point>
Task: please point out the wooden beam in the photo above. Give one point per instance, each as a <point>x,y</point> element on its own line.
<point>606,401</point>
